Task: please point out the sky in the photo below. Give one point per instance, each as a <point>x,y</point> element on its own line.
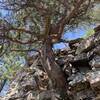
<point>74,34</point>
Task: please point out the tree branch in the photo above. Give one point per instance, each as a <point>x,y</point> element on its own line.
<point>67,19</point>
<point>17,41</point>
<point>18,50</point>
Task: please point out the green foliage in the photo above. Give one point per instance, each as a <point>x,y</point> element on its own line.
<point>11,64</point>
<point>95,13</point>
<point>89,33</point>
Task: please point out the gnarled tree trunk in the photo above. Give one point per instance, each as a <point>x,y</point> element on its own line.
<point>53,69</point>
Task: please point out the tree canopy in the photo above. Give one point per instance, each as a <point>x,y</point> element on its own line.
<point>31,20</point>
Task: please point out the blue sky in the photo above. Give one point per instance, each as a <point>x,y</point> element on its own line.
<point>70,36</point>
<point>74,34</point>
<point>77,33</point>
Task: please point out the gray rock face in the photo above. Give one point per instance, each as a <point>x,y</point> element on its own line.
<point>76,78</point>
<point>96,50</point>
<point>85,84</point>
<point>94,79</point>
<point>95,62</point>
<point>85,95</point>
<point>81,57</point>
<point>89,43</point>
<point>85,45</point>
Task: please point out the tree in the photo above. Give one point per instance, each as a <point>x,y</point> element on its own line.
<point>41,22</point>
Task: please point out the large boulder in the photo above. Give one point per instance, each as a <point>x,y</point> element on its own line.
<point>87,44</point>
<point>94,79</point>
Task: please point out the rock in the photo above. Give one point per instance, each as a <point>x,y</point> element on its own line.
<point>80,62</point>
<point>65,60</point>
<point>95,62</point>
<point>48,95</point>
<point>89,43</point>
<point>84,95</point>
<point>80,88</point>
<point>72,52</point>
<point>81,57</point>
<point>96,50</point>
<point>73,44</point>
<point>30,96</point>
<point>85,45</point>
<point>94,79</point>
<point>76,78</point>
<point>98,97</point>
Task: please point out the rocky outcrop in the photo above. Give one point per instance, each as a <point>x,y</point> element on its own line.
<point>80,64</point>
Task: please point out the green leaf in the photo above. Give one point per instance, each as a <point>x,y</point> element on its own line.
<point>89,33</point>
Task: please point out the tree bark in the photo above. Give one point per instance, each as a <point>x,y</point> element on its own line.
<point>53,69</point>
